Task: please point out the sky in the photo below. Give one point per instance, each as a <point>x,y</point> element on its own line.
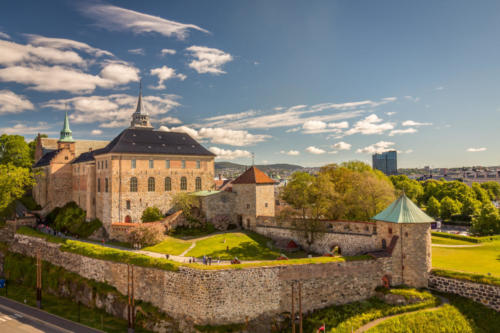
<point>302,82</point>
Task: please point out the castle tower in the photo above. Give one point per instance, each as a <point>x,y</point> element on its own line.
<point>403,230</point>
<point>140,118</point>
<point>66,137</point>
<point>254,196</point>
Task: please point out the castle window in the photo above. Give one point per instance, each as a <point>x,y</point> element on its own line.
<point>167,164</point>
<point>98,184</point>
<point>183,164</point>
<point>66,158</point>
<point>198,184</point>
<point>390,230</point>
<point>184,184</point>
<point>168,184</point>
<point>128,204</point>
<point>106,164</point>
<point>384,244</point>
<point>106,187</point>
<point>151,184</point>
<point>132,164</point>
<point>133,184</point>
<point>198,164</point>
<point>265,205</point>
<point>151,164</point>
<point>248,206</point>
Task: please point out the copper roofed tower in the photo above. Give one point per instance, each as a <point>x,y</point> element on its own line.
<point>140,118</point>
<point>66,133</point>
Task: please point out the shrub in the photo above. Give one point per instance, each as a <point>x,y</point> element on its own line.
<point>193,230</point>
<point>185,202</point>
<point>458,237</point>
<point>72,219</point>
<point>33,233</point>
<point>151,214</point>
<point>467,276</point>
<point>146,234</point>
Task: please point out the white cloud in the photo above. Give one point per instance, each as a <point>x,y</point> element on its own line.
<point>342,145</point>
<point>372,124</point>
<point>292,130</point>
<point>409,130</point>
<point>227,154</point>
<point>412,98</point>
<point>170,120</point>
<point>231,116</point>
<point>315,150</point>
<point>23,129</point>
<point>111,110</point>
<point>392,113</point>
<point>167,51</point>
<point>13,53</point>
<point>439,88</point>
<point>137,51</point>
<point>10,102</point>
<point>116,18</point>
<point>313,125</point>
<point>120,72</point>
<point>66,44</point>
<point>4,35</point>
<point>376,148</point>
<point>278,108</point>
<point>165,73</point>
<point>342,124</point>
<point>208,60</point>
<point>96,132</point>
<point>475,150</point>
<point>290,152</point>
<point>415,123</point>
<point>408,151</point>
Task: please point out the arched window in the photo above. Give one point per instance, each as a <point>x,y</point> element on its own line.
<point>168,184</point>
<point>184,184</point>
<point>198,184</point>
<point>151,184</point>
<point>133,184</point>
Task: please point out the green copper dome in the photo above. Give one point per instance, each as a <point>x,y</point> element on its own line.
<point>66,134</point>
<point>403,210</point>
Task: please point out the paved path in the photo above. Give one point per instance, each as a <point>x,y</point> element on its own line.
<point>183,254</point>
<point>445,245</point>
<point>18,317</point>
<point>375,322</point>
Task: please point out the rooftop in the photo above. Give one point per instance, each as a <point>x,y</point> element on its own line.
<point>403,210</point>
<point>253,176</point>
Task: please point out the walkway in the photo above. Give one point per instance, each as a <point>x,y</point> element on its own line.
<point>444,245</point>
<point>375,322</point>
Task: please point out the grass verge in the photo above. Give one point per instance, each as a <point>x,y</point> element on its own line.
<point>467,276</point>
<point>170,246</point>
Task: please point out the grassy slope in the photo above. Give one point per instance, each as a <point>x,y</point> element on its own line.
<point>482,260</point>
<point>170,245</point>
<point>449,241</point>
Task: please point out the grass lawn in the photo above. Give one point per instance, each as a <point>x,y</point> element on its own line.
<point>170,245</point>
<point>245,246</point>
<point>481,260</point>
<point>449,241</point>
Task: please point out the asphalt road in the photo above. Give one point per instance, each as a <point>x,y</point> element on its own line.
<point>17,317</point>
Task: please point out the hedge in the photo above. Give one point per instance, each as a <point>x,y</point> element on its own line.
<point>470,239</point>
<point>467,276</point>
<point>34,233</point>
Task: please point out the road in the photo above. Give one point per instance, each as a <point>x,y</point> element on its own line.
<point>17,317</point>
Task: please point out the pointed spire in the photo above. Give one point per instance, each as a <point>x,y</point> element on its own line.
<point>140,118</point>
<point>66,133</point>
<point>139,109</point>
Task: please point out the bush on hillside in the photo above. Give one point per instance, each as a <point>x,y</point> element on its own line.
<point>146,234</point>
<point>72,219</point>
<point>151,214</point>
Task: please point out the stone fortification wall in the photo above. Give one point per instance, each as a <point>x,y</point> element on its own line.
<point>218,208</point>
<point>351,237</point>
<point>224,296</point>
<point>486,294</point>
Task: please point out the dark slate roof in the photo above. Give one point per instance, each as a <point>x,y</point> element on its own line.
<point>87,156</point>
<point>45,160</point>
<point>146,141</point>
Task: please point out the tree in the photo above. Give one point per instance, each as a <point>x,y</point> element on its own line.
<point>488,221</point>
<point>146,234</point>
<point>32,147</point>
<point>493,189</point>
<point>433,207</point>
<point>471,207</point>
<point>185,202</point>
<point>14,150</point>
<point>13,183</point>
<point>449,207</point>
<point>481,194</point>
<point>151,214</point>
<point>412,188</point>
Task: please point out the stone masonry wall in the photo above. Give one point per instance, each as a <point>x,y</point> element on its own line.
<point>486,294</point>
<point>224,296</point>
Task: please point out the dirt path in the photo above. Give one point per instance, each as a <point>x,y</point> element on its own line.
<point>188,249</point>
<point>375,322</point>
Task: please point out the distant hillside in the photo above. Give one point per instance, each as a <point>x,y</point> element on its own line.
<point>282,166</point>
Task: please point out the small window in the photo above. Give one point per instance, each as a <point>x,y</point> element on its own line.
<point>128,204</point>
<point>106,164</point>
<point>98,184</point>
<point>390,230</point>
<point>133,184</point>
<point>183,164</point>
<point>132,164</point>
<point>106,184</point>
<point>168,184</point>
<point>198,164</point>
<point>198,184</point>
<point>384,244</point>
<point>248,206</point>
<point>66,158</point>
<point>167,164</point>
<point>183,184</point>
<point>151,184</point>
<point>151,164</point>
<point>265,205</point>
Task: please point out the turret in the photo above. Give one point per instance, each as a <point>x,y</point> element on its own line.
<point>140,118</point>
<point>66,137</point>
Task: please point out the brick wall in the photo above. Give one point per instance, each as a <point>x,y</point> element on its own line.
<point>486,294</point>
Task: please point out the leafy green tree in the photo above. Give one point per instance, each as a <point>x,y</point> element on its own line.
<point>471,207</point>
<point>412,188</point>
<point>493,189</point>
<point>449,207</point>
<point>14,150</point>
<point>146,234</point>
<point>151,214</point>
<point>481,194</point>
<point>185,202</point>
<point>433,207</point>
<point>32,147</point>
<point>431,189</point>
<point>13,183</point>
<point>488,221</point>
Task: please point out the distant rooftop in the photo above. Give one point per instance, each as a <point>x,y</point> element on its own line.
<point>253,176</point>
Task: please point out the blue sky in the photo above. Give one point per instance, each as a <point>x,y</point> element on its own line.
<point>306,82</point>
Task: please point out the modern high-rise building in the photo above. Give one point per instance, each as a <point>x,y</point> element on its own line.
<point>387,162</point>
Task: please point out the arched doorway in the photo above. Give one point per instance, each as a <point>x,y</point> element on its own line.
<point>128,219</point>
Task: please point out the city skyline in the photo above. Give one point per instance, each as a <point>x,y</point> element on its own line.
<point>298,84</point>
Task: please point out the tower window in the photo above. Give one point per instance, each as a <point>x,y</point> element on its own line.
<point>183,183</point>
<point>98,184</point>
<point>106,162</point>
<point>390,230</point>
<point>151,184</point>
<point>128,204</point>
<point>168,184</point>
<point>132,164</point>
<point>106,185</point>
<point>198,184</point>
<point>151,164</point>
<point>198,164</point>
<point>183,163</point>
<point>167,164</point>
<point>265,205</point>
<point>248,206</point>
<point>133,184</point>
